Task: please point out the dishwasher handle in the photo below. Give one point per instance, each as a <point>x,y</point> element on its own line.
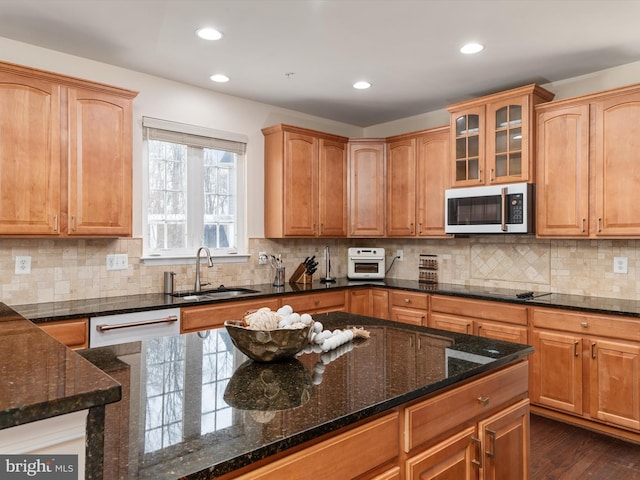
<point>103,327</point>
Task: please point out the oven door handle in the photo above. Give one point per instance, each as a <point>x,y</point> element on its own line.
<point>503,209</point>
<point>365,259</point>
<point>106,327</point>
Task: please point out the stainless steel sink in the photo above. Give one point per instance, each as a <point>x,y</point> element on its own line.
<point>220,292</point>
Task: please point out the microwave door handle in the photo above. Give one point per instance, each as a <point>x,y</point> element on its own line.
<point>503,210</point>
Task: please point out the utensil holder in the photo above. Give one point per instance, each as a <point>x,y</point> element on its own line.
<point>278,280</point>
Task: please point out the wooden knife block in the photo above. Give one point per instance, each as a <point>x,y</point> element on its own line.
<point>299,276</point>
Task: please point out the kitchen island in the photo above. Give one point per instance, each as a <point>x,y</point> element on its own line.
<point>194,407</point>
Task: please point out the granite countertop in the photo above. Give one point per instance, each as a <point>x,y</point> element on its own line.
<point>51,311</point>
<point>194,407</point>
<point>41,378</point>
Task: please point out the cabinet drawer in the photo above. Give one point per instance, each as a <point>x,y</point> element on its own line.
<point>501,312</point>
<point>73,333</point>
<point>213,316</point>
<point>576,322</point>
<point>455,409</point>
<point>347,455</point>
<point>399,298</point>
<point>317,302</point>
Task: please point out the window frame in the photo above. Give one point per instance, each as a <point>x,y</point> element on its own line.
<point>176,256</point>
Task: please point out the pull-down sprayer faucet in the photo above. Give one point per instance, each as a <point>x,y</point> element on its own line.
<point>198,286</point>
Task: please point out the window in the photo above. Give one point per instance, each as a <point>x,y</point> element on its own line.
<point>194,190</point>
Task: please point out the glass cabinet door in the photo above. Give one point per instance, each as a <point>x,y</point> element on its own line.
<point>508,142</point>
<point>469,148</point>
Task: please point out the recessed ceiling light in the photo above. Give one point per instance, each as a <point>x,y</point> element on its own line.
<point>362,85</point>
<point>219,78</point>
<point>208,33</point>
<point>472,47</point>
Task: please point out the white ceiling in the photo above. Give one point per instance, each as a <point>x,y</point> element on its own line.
<point>408,49</point>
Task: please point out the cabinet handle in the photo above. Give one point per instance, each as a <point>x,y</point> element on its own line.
<point>491,179</point>
<point>599,224</point>
<point>584,223</point>
<point>478,462</point>
<point>411,229</point>
<point>73,223</point>
<point>492,434</point>
<point>484,401</point>
<point>593,350</point>
<point>322,228</point>
<point>55,223</point>
<point>575,348</point>
<point>420,228</point>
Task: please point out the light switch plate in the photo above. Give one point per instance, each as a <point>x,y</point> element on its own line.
<point>117,261</point>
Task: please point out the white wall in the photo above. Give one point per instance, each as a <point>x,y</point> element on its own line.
<point>179,102</point>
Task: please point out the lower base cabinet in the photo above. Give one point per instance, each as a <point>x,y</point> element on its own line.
<point>476,431</point>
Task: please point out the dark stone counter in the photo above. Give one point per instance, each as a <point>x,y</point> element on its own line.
<point>43,312</point>
<point>197,408</point>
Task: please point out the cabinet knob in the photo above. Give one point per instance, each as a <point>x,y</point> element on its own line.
<point>406,300</point>
<point>584,324</point>
<point>484,401</point>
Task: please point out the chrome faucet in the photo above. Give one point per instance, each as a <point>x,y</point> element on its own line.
<point>198,285</point>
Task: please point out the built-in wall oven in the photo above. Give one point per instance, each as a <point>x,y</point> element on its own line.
<point>490,209</point>
<point>365,263</point>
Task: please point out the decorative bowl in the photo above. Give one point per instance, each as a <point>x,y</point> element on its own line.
<point>267,345</point>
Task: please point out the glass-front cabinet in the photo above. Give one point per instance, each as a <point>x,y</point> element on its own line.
<point>493,137</point>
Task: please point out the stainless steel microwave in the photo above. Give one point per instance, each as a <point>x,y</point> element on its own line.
<point>507,208</point>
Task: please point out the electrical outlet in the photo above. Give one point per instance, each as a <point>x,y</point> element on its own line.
<point>620,264</point>
<point>262,258</point>
<point>400,255</point>
<point>119,261</point>
<point>23,265</point>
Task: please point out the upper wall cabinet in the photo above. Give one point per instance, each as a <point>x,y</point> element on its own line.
<point>367,188</point>
<point>65,156</point>
<point>493,137</point>
<point>417,176</point>
<point>305,183</point>
<point>589,166</point>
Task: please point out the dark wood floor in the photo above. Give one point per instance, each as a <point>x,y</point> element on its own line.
<point>565,452</point>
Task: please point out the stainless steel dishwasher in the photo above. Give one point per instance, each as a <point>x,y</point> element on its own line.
<point>130,327</point>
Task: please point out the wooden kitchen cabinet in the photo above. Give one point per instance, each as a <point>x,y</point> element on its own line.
<point>366,188</point>
<point>305,183</point>
<point>371,302</point>
<point>205,317</point>
<point>500,321</point>
<point>485,437</point>
<point>588,366</point>
<point>417,177</point>
<point>408,307</point>
<point>65,155</point>
<point>587,168</point>
<point>313,303</point>
<point>73,333</point>
<point>492,137</point>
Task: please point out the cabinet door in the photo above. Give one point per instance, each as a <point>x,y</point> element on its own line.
<point>100,165</point>
<point>360,301</point>
<point>617,170</point>
<point>467,143</point>
<point>401,188</point>
<point>433,178</point>
<point>562,188</point>
<point>380,303</point>
<point>366,189</point>
<point>452,458</point>
<point>300,184</point>
<point>508,151</point>
<point>505,442</point>
<point>556,371</point>
<point>29,156</point>
<point>332,189</point>
<point>614,376</point>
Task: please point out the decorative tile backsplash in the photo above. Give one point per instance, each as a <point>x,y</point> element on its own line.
<point>75,269</point>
